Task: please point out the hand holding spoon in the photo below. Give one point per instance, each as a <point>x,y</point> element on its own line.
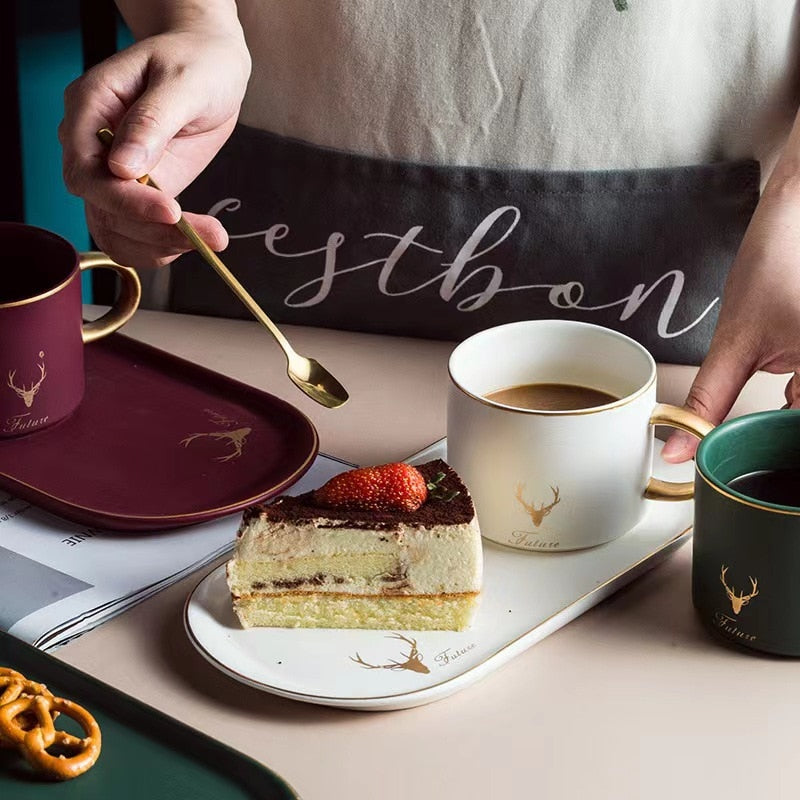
<point>306,373</point>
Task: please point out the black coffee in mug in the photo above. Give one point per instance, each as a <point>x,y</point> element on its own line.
<point>779,486</point>
<point>551,396</point>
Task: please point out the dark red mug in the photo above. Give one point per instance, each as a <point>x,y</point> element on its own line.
<point>42,332</point>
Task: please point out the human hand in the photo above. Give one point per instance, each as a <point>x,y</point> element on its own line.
<point>172,100</point>
<point>759,321</point>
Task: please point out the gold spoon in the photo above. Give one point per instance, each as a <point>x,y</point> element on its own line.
<point>306,373</point>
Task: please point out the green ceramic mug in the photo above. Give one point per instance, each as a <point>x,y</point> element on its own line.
<point>746,562</point>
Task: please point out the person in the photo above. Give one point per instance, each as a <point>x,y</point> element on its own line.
<point>489,161</point>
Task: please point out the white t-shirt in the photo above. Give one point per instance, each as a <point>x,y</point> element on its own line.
<point>552,84</point>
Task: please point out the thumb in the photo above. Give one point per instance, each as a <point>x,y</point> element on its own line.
<point>711,396</point>
<point>147,128</point>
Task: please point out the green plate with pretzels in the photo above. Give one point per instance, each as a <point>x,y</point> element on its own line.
<point>144,752</point>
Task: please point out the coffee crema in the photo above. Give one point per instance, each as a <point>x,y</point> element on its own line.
<point>778,486</point>
<point>551,397</point>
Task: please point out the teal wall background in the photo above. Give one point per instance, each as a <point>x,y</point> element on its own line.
<point>50,57</point>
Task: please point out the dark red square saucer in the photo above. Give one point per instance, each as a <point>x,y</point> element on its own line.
<point>159,442</point>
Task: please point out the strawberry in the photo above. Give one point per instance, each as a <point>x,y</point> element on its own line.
<point>389,487</point>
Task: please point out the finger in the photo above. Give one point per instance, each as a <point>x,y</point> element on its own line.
<point>157,252</point>
<point>138,255</point>
<point>792,392</point>
<point>89,177</point>
<point>149,125</point>
<point>91,103</point>
<point>210,229</point>
<point>156,235</point>
<point>715,388</point>
<point>120,198</point>
<point>86,174</point>
<point>89,168</point>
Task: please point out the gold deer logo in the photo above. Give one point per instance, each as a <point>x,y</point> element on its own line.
<point>741,599</point>
<point>236,438</point>
<point>413,659</point>
<point>27,394</point>
<point>537,515</point>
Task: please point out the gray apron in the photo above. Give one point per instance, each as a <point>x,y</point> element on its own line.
<point>328,238</point>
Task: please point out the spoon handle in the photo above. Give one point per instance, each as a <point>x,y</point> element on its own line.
<point>187,229</point>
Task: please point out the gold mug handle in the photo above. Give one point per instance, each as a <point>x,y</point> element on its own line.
<point>126,304</point>
<point>676,417</point>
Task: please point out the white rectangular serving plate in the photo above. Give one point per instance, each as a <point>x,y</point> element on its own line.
<point>526,596</point>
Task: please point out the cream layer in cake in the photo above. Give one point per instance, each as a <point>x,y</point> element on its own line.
<point>299,565</point>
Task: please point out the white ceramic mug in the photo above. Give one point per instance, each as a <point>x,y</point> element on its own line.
<point>558,480</point>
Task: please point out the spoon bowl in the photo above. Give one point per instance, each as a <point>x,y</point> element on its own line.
<point>313,379</point>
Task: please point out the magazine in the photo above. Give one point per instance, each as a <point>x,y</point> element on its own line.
<point>60,579</point>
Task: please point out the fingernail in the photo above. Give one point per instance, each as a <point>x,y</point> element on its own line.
<point>220,240</point>
<point>174,211</point>
<point>130,156</point>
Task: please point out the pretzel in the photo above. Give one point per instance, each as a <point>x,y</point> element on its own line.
<point>27,712</point>
<point>14,684</point>
<point>11,687</point>
<point>35,742</point>
<point>10,681</point>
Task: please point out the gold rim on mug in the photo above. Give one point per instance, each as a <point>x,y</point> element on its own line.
<point>622,401</point>
<point>43,233</point>
<point>43,295</point>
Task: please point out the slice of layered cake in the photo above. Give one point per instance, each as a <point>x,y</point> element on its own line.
<point>390,547</point>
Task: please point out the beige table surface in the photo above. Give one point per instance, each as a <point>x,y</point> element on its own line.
<point>632,700</point>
